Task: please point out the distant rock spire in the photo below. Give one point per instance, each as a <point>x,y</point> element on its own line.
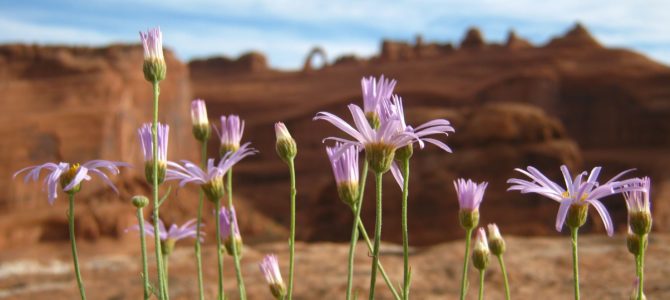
<point>577,37</point>
<point>473,39</point>
<point>515,42</point>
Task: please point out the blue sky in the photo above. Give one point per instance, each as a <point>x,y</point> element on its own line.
<point>286,30</point>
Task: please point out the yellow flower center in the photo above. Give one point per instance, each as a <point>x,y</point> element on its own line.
<point>566,194</point>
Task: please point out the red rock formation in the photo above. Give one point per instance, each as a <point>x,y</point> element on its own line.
<point>473,39</point>
<point>515,42</point>
<point>578,37</point>
<point>507,107</point>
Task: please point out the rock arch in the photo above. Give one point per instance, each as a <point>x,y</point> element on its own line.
<point>316,51</point>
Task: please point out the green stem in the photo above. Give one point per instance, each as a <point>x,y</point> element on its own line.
<point>75,257</point>
<point>378,236</point>
<point>167,270</point>
<point>201,197</point>
<point>236,252</point>
<point>575,259</point>
<point>481,285</point>
<point>143,247</point>
<point>640,288</point>
<point>405,232</point>
<point>504,272</point>
<point>291,166</point>
<point>464,276</point>
<point>219,250</point>
<point>157,241</point>
<point>354,231</point>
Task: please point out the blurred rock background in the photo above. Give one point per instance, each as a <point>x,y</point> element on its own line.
<point>570,101</point>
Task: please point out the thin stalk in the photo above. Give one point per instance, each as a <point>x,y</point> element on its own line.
<point>75,257</point>
<point>481,285</point>
<point>389,284</point>
<point>219,250</point>
<point>464,276</point>
<point>236,252</point>
<point>167,271</point>
<point>378,236</point>
<point>198,252</point>
<point>504,272</point>
<point>575,259</point>
<point>143,247</point>
<point>640,275</point>
<point>354,231</point>
<point>291,166</point>
<point>157,241</point>
<point>405,232</point>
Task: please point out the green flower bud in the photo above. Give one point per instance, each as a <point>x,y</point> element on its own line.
<point>286,147</point>
<point>139,201</point>
<point>404,153</point>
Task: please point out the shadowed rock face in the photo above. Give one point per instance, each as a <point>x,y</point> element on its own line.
<point>511,106</point>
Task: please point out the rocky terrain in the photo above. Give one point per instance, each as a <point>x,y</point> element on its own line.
<point>571,101</point>
<point>537,266</point>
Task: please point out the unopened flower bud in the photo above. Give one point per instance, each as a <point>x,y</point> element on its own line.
<point>228,244</point>
<point>480,253</point>
<point>379,156</point>
<point>469,218</point>
<point>577,214</point>
<point>285,146</point>
<point>404,153</point>
<point>201,130</point>
<point>139,201</point>
<point>154,66</point>
<point>496,242</point>
<point>270,269</point>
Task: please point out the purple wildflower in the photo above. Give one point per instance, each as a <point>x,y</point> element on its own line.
<point>152,41</point>
<point>374,92</point>
<point>232,129</point>
<point>577,191</point>
<point>175,233</point>
<point>146,139</point>
<point>211,179</point>
<point>70,176</point>
<point>470,194</point>
<point>270,269</point>
<point>364,135</point>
